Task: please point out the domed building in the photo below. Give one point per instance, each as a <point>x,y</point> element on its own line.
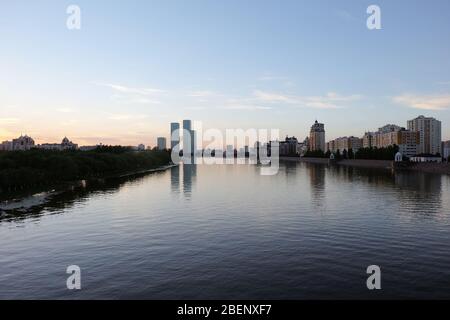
<point>66,144</point>
<point>22,143</point>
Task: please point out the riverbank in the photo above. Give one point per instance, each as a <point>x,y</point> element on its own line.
<point>19,204</point>
<point>36,168</point>
<point>382,164</point>
<point>440,168</point>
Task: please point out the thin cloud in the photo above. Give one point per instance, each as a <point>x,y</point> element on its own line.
<point>331,100</point>
<point>424,102</point>
<point>272,97</point>
<point>134,90</point>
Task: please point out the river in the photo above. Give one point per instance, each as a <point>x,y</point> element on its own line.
<point>227,232</point>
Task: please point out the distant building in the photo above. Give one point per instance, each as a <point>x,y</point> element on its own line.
<point>161,143</point>
<point>446,149</point>
<point>345,143</point>
<point>175,135</point>
<point>65,144</point>
<point>408,142</point>
<point>6,146</point>
<point>306,145</point>
<point>141,147</point>
<point>389,128</point>
<point>317,137</point>
<point>188,138</point>
<point>384,137</point>
<point>426,158</point>
<point>290,147</point>
<point>389,135</point>
<point>193,142</point>
<point>20,144</point>
<point>429,134</point>
<point>368,140</point>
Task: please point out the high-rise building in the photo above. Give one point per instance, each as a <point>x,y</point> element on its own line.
<point>390,135</point>
<point>161,143</point>
<point>317,137</point>
<point>174,135</point>
<point>446,149</point>
<point>429,134</point>
<point>193,142</point>
<point>408,142</point>
<point>368,139</point>
<point>188,139</point>
<point>345,143</point>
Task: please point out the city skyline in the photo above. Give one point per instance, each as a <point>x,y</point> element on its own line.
<point>128,72</point>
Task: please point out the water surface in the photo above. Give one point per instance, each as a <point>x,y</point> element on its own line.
<point>203,232</point>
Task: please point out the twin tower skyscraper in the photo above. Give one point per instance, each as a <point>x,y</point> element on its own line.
<point>189,138</point>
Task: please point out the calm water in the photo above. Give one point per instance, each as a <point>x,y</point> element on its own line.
<point>228,232</point>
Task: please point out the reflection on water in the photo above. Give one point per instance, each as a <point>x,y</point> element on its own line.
<point>225,231</point>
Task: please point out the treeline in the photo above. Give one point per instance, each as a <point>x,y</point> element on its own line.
<point>387,153</point>
<point>23,169</point>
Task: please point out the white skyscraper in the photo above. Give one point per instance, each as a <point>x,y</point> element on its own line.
<point>430,134</point>
<point>188,138</point>
<point>174,135</point>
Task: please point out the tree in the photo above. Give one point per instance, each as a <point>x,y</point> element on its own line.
<point>351,154</point>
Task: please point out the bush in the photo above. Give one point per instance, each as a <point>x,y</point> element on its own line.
<point>21,169</point>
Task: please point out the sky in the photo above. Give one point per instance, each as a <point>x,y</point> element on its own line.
<point>135,66</point>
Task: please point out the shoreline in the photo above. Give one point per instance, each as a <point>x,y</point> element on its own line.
<point>438,168</point>
<point>24,203</point>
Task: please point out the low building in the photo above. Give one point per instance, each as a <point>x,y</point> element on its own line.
<point>65,144</point>
<point>20,144</point>
<point>426,158</point>
<point>345,143</point>
<point>6,146</point>
<point>290,147</point>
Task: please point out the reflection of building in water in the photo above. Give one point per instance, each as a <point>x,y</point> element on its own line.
<point>175,179</point>
<point>189,176</point>
<point>420,190</point>
<point>317,181</point>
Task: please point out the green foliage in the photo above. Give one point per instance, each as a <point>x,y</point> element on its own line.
<point>351,154</point>
<point>314,154</point>
<point>22,169</point>
<point>345,154</point>
<point>387,153</point>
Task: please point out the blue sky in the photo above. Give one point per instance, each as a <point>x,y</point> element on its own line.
<point>135,66</point>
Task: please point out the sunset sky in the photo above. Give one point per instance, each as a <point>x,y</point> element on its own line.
<point>135,66</point>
